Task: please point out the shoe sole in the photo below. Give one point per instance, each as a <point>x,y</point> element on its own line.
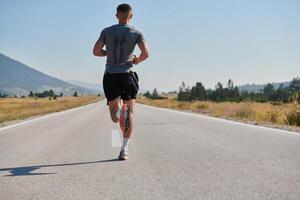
<point>123,158</point>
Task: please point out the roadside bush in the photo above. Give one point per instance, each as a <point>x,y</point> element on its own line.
<point>293,118</point>
<point>295,97</point>
<point>272,116</point>
<point>184,105</point>
<point>245,112</point>
<point>201,106</point>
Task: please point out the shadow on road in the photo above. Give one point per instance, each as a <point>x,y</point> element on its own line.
<point>27,170</point>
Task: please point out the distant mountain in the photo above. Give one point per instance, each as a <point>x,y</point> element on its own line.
<point>17,78</point>
<point>259,87</point>
<point>92,86</point>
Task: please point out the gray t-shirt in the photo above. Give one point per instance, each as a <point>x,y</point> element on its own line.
<point>120,41</point>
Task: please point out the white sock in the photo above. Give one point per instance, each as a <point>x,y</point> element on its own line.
<point>125,144</point>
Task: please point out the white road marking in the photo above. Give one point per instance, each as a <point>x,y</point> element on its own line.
<point>220,119</point>
<point>116,138</point>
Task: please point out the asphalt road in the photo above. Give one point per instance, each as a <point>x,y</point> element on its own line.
<point>173,155</point>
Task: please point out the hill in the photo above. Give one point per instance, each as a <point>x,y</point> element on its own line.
<point>92,86</point>
<point>17,78</point>
<point>258,87</point>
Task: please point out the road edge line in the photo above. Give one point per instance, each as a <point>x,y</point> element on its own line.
<point>48,115</point>
<point>220,119</point>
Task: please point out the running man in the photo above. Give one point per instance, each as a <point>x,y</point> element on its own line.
<point>119,80</point>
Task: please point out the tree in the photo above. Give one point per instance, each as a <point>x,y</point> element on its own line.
<point>182,87</point>
<point>184,93</point>
<point>268,90</point>
<point>281,94</point>
<point>231,93</point>
<point>147,95</point>
<point>230,85</point>
<point>219,86</point>
<point>198,92</point>
<point>245,95</point>
<point>31,94</point>
<point>154,94</point>
<point>219,92</point>
<point>61,94</point>
<point>236,94</point>
<point>51,93</point>
<point>295,84</point>
<point>75,94</point>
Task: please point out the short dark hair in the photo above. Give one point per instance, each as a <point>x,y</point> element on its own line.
<point>124,8</point>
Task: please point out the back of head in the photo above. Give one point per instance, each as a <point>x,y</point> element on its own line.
<point>124,13</point>
<point>125,8</point>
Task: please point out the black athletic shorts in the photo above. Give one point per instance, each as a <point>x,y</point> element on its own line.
<point>125,85</point>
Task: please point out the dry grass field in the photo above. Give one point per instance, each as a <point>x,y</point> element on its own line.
<point>21,108</point>
<point>279,113</point>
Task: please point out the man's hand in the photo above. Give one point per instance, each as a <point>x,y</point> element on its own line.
<point>135,60</point>
<point>144,53</point>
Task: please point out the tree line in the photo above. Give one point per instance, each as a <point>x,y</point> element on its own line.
<point>153,95</point>
<point>230,92</point>
<point>49,93</point>
<point>3,95</point>
<point>44,94</point>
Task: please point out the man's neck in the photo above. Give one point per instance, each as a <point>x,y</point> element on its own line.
<point>123,23</point>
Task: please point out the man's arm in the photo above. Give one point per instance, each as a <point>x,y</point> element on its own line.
<point>98,49</point>
<point>144,53</point>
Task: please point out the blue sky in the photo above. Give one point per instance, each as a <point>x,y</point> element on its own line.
<point>255,41</point>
